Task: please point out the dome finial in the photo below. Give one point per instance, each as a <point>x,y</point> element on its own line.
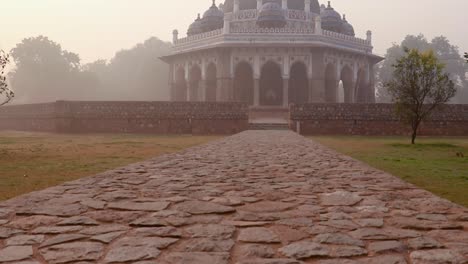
<point>329,4</point>
<point>214,2</point>
<point>344,17</point>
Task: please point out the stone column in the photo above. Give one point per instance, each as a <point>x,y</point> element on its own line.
<point>256,92</point>
<point>318,25</point>
<point>224,75</point>
<point>284,4</point>
<point>175,36</point>
<point>371,84</point>
<point>317,81</point>
<point>202,90</point>
<point>227,24</point>
<point>259,4</point>
<point>307,6</point>
<point>236,6</point>
<point>285,92</point>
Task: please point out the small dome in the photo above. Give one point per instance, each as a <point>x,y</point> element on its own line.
<point>271,15</point>
<point>347,28</point>
<point>195,27</point>
<point>331,20</point>
<point>213,18</point>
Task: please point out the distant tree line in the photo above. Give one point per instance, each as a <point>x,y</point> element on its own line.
<point>43,71</point>
<point>448,54</point>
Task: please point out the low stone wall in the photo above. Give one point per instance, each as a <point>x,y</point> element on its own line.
<point>373,120</point>
<point>127,117</point>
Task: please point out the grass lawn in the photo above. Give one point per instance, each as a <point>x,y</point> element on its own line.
<point>432,164</point>
<point>34,161</point>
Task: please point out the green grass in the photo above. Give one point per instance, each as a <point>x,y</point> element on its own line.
<point>34,161</point>
<point>432,164</point>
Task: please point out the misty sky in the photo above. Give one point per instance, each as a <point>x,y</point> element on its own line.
<point>98,28</point>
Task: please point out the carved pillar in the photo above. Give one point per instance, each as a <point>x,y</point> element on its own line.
<point>284,4</point>
<point>259,4</point>
<point>317,81</point>
<point>307,6</point>
<point>285,92</point>
<point>256,92</point>
<point>236,6</point>
<point>224,76</point>
<point>318,25</point>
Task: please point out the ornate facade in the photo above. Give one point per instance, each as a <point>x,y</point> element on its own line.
<point>270,53</point>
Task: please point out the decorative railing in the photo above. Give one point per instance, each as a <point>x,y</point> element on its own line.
<point>340,36</point>
<point>201,36</point>
<point>249,14</point>
<point>259,30</point>
<point>298,15</point>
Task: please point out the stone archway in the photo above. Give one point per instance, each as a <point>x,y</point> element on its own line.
<point>244,83</point>
<point>211,83</point>
<point>180,87</point>
<point>271,85</point>
<point>331,84</point>
<point>347,84</point>
<point>194,83</point>
<point>298,84</point>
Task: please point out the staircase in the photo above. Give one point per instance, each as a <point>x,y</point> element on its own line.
<point>269,118</point>
<point>268,126</point>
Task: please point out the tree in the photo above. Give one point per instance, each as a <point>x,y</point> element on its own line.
<point>134,74</point>
<point>444,51</point>
<point>45,72</point>
<point>4,90</point>
<point>418,87</point>
<point>466,56</point>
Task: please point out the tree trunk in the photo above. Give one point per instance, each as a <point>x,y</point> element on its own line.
<point>413,138</point>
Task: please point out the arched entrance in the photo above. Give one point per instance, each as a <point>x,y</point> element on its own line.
<point>180,87</point>
<point>194,83</point>
<point>331,84</point>
<point>271,85</point>
<point>211,84</point>
<point>244,83</point>
<point>298,84</point>
<point>347,85</point>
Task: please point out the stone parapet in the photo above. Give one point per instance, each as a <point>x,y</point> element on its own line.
<point>373,119</point>
<point>127,117</point>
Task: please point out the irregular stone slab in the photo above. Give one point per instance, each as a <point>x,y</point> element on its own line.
<point>62,210</point>
<point>60,239</point>
<point>340,198</point>
<point>108,237</point>
<point>135,206</point>
<point>103,229</point>
<point>269,261</point>
<point>267,206</point>
<point>437,256</point>
<point>25,240</point>
<point>197,258</point>
<point>34,221</point>
<point>158,231</point>
<point>78,220</point>
<point>304,250</point>
<point>199,208</point>
<point>72,252</point>
<point>131,253</point>
<point>347,251</point>
<point>206,245</point>
<point>423,243</point>
<point>220,232</point>
<point>256,251</point>
<point>386,246</point>
<point>338,239</point>
<point>411,223</point>
<point>244,223</point>
<point>149,222</point>
<point>388,259</point>
<point>258,235</point>
<point>6,232</point>
<point>370,222</point>
<point>52,230</point>
<point>15,253</point>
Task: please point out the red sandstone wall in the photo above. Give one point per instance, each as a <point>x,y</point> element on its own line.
<point>372,119</point>
<point>127,117</point>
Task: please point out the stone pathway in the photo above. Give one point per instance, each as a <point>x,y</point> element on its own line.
<point>253,198</point>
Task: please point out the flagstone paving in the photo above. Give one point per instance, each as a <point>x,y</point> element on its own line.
<point>265,197</point>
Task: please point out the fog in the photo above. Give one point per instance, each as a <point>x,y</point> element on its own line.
<point>98,29</point>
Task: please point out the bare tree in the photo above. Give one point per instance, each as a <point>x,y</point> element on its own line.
<point>419,86</point>
<point>4,90</point>
<point>466,56</point>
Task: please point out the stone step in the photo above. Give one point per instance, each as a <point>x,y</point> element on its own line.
<point>268,126</point>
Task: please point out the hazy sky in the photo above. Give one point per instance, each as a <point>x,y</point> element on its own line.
<point>98,28</point>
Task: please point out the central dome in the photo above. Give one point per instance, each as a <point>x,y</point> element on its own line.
<point>271,15</point>
<point>213,18</point>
